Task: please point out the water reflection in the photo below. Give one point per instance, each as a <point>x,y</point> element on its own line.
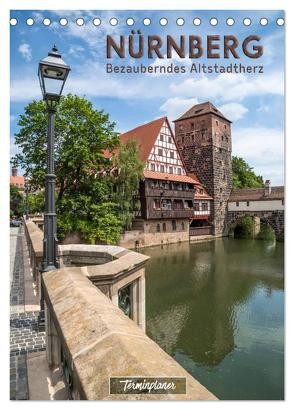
<point>213,305</point>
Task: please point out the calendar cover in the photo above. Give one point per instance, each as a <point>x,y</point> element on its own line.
<point>147,205</point>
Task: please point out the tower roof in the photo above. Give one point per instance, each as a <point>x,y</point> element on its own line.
<point>202,109</point>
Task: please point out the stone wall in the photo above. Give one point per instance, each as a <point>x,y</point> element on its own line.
<point>97,341</point>
<point>149,235</point>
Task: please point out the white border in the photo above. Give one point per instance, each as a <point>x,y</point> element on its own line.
<point>4,174</point>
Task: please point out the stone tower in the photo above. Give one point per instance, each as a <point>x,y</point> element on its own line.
<point>203,134</point>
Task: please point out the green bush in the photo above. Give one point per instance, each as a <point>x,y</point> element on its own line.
<point>244,228</point>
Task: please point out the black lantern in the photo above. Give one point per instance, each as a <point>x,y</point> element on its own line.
<point>52,73</point>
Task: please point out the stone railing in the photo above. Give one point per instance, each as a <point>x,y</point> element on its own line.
<point>111,269</point>
<point>34,238</point>
<point>92,340</point>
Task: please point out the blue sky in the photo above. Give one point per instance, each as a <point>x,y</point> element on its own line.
<point>254,102</point>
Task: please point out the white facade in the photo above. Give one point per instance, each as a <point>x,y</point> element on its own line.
<point>269,205</point>
<point>164,156</point>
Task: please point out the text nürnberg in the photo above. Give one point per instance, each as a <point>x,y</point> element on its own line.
<point>136,46</point>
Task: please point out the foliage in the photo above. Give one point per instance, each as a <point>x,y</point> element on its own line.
<point>16,201</point>
<point>36,202</point>
<point>85,199</point>
<point>244,176</point>
<point>126,183</point>
<point>266,232</point>
<point>245,228</point>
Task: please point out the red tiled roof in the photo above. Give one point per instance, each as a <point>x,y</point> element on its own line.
<point>17,180</point>
<point>256,194</point>
<point>146,135</point>
<point>201,109</point>
<point>170,177</point>
<point>201,193</point>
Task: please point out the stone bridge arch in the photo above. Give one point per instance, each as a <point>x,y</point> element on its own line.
<point>274,218</point>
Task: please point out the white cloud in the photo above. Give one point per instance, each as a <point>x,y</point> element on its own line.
<point>228,87</point>
<point>75,51</point>
<point>233,111</point>
<point>26,51</point>
<point>262,148</point>
<point>176,106</point>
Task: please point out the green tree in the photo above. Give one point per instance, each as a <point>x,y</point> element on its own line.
<point>16,201</point>
<point>244,176</point>
<point>128,173</point>
<point>83,190</point>
<point>36,202</point>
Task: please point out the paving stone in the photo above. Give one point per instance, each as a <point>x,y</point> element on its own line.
<point>24,331</point>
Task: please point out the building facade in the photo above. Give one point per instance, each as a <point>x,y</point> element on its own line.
<point>167,191</point>
<point>203,135</point>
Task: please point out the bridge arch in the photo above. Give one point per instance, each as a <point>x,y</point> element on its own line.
<point>274,218</point>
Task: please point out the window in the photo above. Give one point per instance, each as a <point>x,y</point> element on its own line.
<point>178,204</point>
<point>170,140</point>
<point>197,206</point>
<point>161,137</point>
<point>180,127</point>
<point>225,127</point>
<point>183,140</point>
<point>152,167</point>
<point>283,202</point>
<point>227,139</point>
<point>164,227</point>
<point>174,225</point>
<point>166,204</point>
<point>204,206</point>
<point>170,170</point>
<point>222,137</point>
<point>158,228</point>
<point>192,125</point>
<point>160,152</point>
<point>216,122</point>
<point>156,203</point>
<point>220,190</point>
<point>247,203</point>
<point>161,168</point>
<point>171,154</point>
<point>179,171</point>
<point>183,226</point>
<point>237,203</point>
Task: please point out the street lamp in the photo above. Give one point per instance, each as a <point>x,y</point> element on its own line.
<point>27,190</point>
<point>52,74</point>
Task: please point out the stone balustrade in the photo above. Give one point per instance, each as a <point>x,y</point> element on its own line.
<point>34,238</point>
<point>93,340</point>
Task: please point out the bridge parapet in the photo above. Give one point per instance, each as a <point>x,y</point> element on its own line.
<point>93,340</point>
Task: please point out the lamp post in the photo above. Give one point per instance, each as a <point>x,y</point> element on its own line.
<point>52,74</point>
<point>27,190</point>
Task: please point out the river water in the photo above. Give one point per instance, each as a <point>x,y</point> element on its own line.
<point>218,309</point>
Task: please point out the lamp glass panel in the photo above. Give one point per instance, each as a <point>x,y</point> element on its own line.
<point>52,86</point>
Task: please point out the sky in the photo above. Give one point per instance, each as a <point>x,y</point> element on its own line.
<point>253,102</point>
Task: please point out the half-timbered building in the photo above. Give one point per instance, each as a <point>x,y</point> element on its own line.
<point>169,195</point>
